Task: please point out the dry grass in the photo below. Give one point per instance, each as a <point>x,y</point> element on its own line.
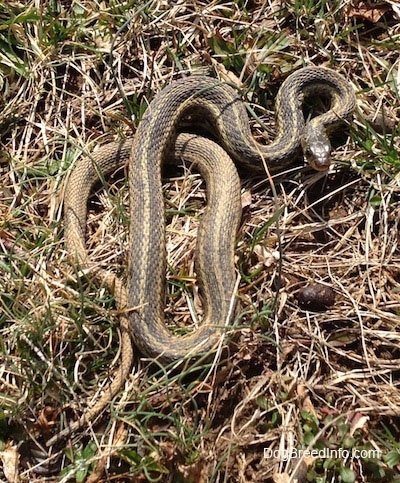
<point>291,378</point>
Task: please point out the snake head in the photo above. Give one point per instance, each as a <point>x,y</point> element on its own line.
<point>316,147</point>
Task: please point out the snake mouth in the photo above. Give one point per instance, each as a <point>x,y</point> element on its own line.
<point>321,164</point>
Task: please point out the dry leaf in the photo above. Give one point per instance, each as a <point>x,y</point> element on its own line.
<point>371,13</point>
<point>10,460</point>
<point>357,421</point>
<point>281,478</point>
<point>266,256</point>
<point>246,199</point>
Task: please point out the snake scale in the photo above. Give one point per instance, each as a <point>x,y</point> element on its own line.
<point>157,140</point>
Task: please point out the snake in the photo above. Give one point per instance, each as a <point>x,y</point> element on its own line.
<point>167,133</point>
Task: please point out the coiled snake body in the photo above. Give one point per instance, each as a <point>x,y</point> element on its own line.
<point>157,139</point>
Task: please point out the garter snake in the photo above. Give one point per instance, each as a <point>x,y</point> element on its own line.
<point>157,139</point>
<point>220,105</point>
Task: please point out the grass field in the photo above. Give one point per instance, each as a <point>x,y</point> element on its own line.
<point>77,74</point>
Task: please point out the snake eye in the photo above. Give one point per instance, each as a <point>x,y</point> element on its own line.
<point>308,153</point>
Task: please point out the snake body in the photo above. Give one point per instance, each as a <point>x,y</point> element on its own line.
<point>220,105</point>
<point>158,139</point>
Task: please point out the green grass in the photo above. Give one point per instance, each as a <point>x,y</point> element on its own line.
<point>74,75</point>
